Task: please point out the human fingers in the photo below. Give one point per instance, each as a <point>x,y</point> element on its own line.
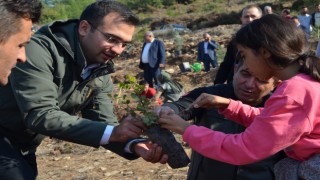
<point>199,101</point>
<point>155,154</point>
<point>134,122</point>
<point>165,110</point>
<point>147,150</point>
<point>125,131</point>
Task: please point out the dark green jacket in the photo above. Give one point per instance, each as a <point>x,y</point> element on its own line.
<point>45,93</point>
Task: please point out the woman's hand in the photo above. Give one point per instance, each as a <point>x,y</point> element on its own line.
<point>209,101</point>
<point>173,122</point>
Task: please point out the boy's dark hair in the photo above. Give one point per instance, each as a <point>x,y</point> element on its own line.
<point>95,12</point>
<point>11,13</point>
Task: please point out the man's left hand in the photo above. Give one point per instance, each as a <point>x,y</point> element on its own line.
<point>150,152</point>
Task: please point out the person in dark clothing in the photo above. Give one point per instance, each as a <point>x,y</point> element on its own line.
<point>152,59</point>
<point>225,71</point>
<point>169,89</point>
<point>315,17</point>
<point>207,52</point>
<point>249,90</point>
<point>67,72</point>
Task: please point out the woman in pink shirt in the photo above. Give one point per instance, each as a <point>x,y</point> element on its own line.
<point>290,121</point>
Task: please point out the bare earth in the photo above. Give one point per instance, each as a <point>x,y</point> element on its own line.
<point>62,160</point>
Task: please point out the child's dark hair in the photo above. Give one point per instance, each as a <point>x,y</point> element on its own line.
<point>283,40</point>
<point>143,82</point>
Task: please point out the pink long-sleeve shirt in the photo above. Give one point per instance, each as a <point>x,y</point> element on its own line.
<point>290,120</point>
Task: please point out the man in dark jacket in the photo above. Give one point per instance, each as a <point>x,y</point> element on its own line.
<point>68,70</point>
<point>225,71</point>
<point>152,58</point>
<point>207,52</point>
<point>249,90</point>
<point>315,17</point>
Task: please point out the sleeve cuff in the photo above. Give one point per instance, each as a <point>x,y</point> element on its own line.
<point>106,135</point>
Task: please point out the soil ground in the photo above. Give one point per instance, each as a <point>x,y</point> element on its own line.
<point>67,161</point>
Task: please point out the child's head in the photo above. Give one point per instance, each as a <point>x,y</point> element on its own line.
<point>145,84</point>
<point>271,44</point>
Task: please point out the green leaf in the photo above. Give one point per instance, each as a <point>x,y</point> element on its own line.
<point>135,96</point>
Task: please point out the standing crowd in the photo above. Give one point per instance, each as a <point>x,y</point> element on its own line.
<point>259,120</point>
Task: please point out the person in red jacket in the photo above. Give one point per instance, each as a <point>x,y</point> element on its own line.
<point>149,92</point>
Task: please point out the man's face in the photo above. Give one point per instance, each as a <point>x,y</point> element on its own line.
<point>248,88</point>
<point>206,37</point>
<point>318,8</point>
<point>95,42</point>
<point>304,11</point>
<point>148,38</point>
<point>268,11</point>
<point>13,50</point>
<point>248,15</point>
<point>296,21</point>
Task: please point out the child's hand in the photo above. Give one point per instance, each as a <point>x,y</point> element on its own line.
<point>210,101</point>
<point>173,122</point>
<point>163,110</point>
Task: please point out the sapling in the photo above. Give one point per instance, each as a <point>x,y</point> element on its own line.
<point>142,107</point>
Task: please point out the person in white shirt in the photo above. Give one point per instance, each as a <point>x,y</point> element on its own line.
<point>152,59</point>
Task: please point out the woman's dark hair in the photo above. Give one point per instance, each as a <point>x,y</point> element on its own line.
<point>95,12</point>
<point>11,13</point>
<point>285,41</point>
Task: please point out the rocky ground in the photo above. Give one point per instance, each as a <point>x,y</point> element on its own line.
<point>62,160</point>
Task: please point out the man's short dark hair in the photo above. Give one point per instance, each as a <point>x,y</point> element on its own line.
<point>95,12</point>
<point>11,13</point>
